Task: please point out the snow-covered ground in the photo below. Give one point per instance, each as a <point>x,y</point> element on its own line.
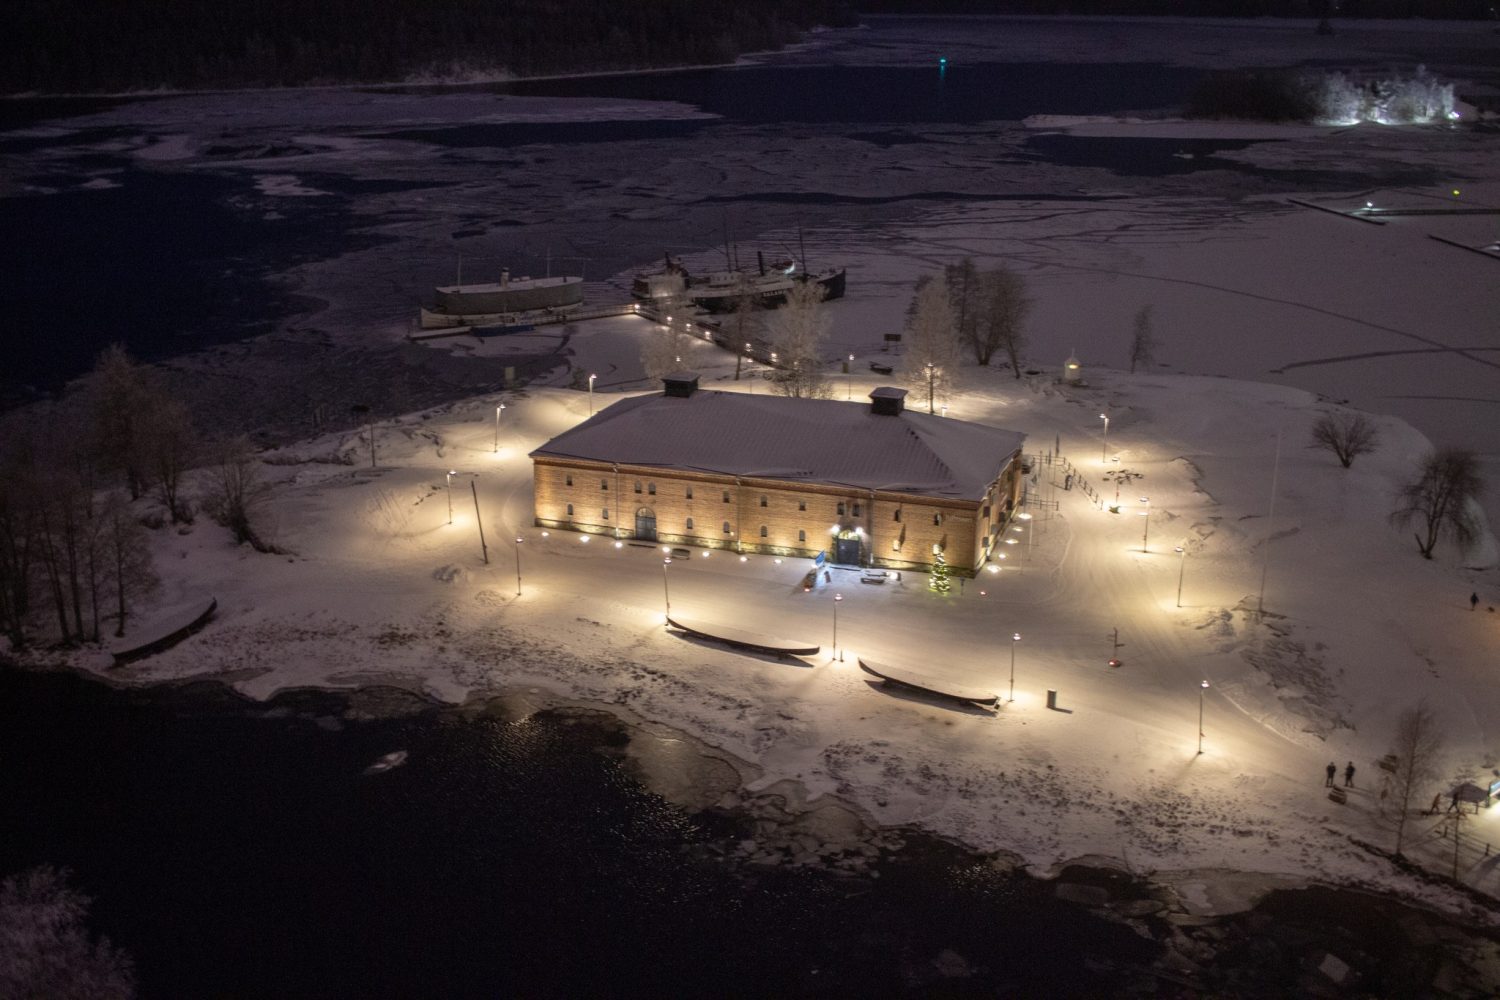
<point>1266,311</point>
<point>378,586</point>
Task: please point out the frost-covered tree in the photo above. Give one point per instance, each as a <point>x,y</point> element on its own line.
<point>797,332</point>
<point>744,321</point>
<point>125,556</point>
<point>932,352</point>
<point>1440,498</point>
<point>1347,435</point>
<point>1417,749</point>
<point>965,294</point>
<point>45,948</point>
<point>662,354</point>
<point>1142,340</point>
<point>1003,308</point>
<point>168,447</point>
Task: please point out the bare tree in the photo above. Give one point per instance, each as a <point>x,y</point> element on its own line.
<point>965,290</point>
<point>932,357</point>
<point>1142,340</point>
<point>168,447</point>
<point>1003,308</point>
<point>1417,748</point>
<point>236,490</point>
<point>797,332</point>
<point>1439,499</point>
<point>126,556</point>
<point>117,392</point>
<point>1347,435</point>
<point>744,321</point>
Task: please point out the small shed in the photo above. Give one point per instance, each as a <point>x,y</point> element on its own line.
<point>1470,792</point>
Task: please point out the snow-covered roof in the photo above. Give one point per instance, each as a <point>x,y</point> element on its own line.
<point>803,440</point>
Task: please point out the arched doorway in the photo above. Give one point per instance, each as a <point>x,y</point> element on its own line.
<point>645,524</point>
<point>846,546</point>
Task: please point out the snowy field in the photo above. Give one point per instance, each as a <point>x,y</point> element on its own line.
<point>1267,312</point>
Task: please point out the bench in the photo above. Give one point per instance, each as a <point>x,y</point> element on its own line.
<point>743,640</point>
<point>901,677</point>
<point>874,576</point>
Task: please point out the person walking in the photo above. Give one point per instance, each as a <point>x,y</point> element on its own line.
<point>1332,770</point>
<point>1473,600</point>
<point>1349,775</point>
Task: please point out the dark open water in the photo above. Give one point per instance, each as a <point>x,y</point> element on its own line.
<point>236,850</point>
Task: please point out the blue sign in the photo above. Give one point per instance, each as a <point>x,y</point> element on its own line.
<point>820,559</point>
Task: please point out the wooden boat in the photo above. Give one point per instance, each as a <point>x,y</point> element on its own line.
<point>926,683</point>
<point>743,640</point>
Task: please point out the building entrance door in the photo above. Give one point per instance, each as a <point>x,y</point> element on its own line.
<point>645,524</point>
<point>846,549</point>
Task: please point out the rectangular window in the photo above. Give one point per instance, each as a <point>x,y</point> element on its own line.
<point>570,510</point>
<point>690,524</point>
<point>856,510</point>
<point>897,516</point>
<point>637,485</point>
<point>801,535</point>
<point>690,493</point>
<point>841,508</point>
<point>763,531</point>
<point>726,527</point>
<point>763,502</point>
<point>651,489</point>
<point>937,519</point>
<point>986,511</point>
<point>726,496</point>
<point>606,513</point>
<point>568,479</point>
<point>802,505</point>
<point>604,484</point>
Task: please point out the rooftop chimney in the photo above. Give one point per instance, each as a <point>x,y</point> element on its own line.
<point>888,401</point>
<point>680,384</point>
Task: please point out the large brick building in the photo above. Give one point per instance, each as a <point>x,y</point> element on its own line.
<point>870,484</point>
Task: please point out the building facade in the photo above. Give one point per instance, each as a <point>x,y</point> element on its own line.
<point>869,485</point>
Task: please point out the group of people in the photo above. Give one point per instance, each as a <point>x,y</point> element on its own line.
<point>1333,770</point>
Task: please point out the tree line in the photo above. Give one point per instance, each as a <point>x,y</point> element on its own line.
<point>103,45</point>
<point>1447,9</point>
<point>83,482</point>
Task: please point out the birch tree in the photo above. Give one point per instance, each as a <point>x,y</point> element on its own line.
<point>1417,748</point>
<point>797,332</point>
<point>1439,500</point>
<point>237,489</point>
<point>965,289</point>
<point>931,361</point>
<point>1347,435</point>
<point>126,557</point>
<point>662,354</point>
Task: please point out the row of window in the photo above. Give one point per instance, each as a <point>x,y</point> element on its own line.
<point>844,509</point>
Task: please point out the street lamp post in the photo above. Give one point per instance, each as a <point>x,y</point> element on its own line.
<point>1104,451</point>
<point>591,393</point>
<point>837,600</point>
<point>498,410</point>
<point>1015,638</point>
<point>666,588</point>
<point>1146,524</point>
<point>1202,689</point>
<point>518,565</point>
<point>931,371</point>
<point>451,474</point>
<point>849,381</point>
<point>1181,567</point>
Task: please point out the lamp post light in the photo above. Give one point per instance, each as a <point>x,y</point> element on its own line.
<point>591,394</point>
<point>1181,566</point>
<point>498,410</point>
<point>1104,451</point>
<point>451,474</point>
<point>931,371</point>
<point>1202,689</point>
<point>1015,638</point>
<point>1146,524</point>
<point>849,381</point>
<point>837,600</point>
<point>666,588</point>
<point>519,540</point>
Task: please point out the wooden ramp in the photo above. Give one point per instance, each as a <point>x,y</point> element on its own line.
<point>901,677</point>
<point>743,640</point>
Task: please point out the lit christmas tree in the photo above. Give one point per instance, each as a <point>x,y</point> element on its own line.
<point>938,581</point>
